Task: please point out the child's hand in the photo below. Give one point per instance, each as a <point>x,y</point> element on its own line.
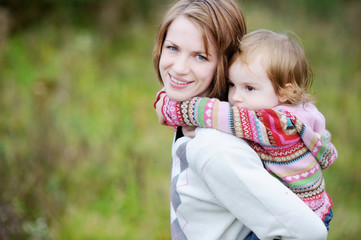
<point>189,131</point>
<point>158,109</point>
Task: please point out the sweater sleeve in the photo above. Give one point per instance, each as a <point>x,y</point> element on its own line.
<point>268,127</point>
<point>318,143</point>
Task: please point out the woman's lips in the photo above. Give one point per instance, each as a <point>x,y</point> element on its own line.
<point>176,83</point>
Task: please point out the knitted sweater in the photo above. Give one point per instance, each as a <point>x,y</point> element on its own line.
<point>292,142</point>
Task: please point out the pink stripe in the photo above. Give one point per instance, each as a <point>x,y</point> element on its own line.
<point>208,113</point>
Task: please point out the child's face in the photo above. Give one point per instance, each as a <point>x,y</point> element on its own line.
<point>184,66</point>
<point>250,86</point>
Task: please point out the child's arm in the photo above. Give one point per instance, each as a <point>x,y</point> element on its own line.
<point>158,105</point>
<point>158,108</point>
<point>266,127</point>
<point>269,127</point>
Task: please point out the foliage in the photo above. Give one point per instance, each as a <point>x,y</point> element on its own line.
<point>82,155</point>
<point>105,14</point>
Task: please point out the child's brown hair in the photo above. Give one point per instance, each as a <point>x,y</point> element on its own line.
<point>284,60</point>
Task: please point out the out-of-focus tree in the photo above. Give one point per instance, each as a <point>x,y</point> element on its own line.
<point>101,13</point>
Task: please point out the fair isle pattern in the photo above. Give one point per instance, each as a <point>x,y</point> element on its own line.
<point>174,118</point>
<point>289,150</point>
<point>237,125</point>
<point>318,146</point>
<point>180,164</point>
<point>184,109</point>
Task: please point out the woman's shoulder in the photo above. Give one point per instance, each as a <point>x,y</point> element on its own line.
<point>206,137</point>
<point>210,142</point>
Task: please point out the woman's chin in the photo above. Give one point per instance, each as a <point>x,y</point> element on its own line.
<point>177,95</point>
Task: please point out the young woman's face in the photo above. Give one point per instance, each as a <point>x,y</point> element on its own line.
<point>186,70</point>
<point>250,86</point>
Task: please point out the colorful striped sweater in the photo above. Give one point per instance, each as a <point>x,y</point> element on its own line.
<point>291,141</point>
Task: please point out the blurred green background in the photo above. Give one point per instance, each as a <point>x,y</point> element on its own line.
<point>82,155</point>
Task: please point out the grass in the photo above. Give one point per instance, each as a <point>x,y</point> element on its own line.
<point>82,154</point>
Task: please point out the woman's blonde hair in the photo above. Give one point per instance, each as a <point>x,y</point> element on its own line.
<point>220,21</point>
<point>284,60</point>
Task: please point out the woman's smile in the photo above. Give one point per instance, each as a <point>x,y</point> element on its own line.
<point>177,82</point>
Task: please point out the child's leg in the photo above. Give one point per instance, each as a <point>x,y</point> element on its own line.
<point>251,236</point>
<point>327,219</point>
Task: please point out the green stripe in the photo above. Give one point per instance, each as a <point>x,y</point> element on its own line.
<point>322,149</point>
<point>201,108</point>
<point>299,183</point>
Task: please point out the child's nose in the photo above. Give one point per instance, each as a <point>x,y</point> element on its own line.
<point>237,97</point>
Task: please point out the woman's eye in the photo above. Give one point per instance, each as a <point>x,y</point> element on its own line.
<point>249,88</point>
<point>230,84</point>
<point>172,48</point>
<point>202,58</point>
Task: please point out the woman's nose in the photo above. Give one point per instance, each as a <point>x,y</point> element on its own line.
<point>181,65</point>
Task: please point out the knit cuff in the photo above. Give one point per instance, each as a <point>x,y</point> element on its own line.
<point>171,111</point>
<point>158,97</point>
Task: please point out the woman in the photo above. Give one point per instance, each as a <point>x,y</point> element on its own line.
<point>219,188</point>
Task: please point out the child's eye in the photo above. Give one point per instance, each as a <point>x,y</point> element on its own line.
<point>230,84</point>
<point>249,88</point>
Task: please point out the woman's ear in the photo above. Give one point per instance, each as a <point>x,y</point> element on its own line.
<point>288,90</point>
